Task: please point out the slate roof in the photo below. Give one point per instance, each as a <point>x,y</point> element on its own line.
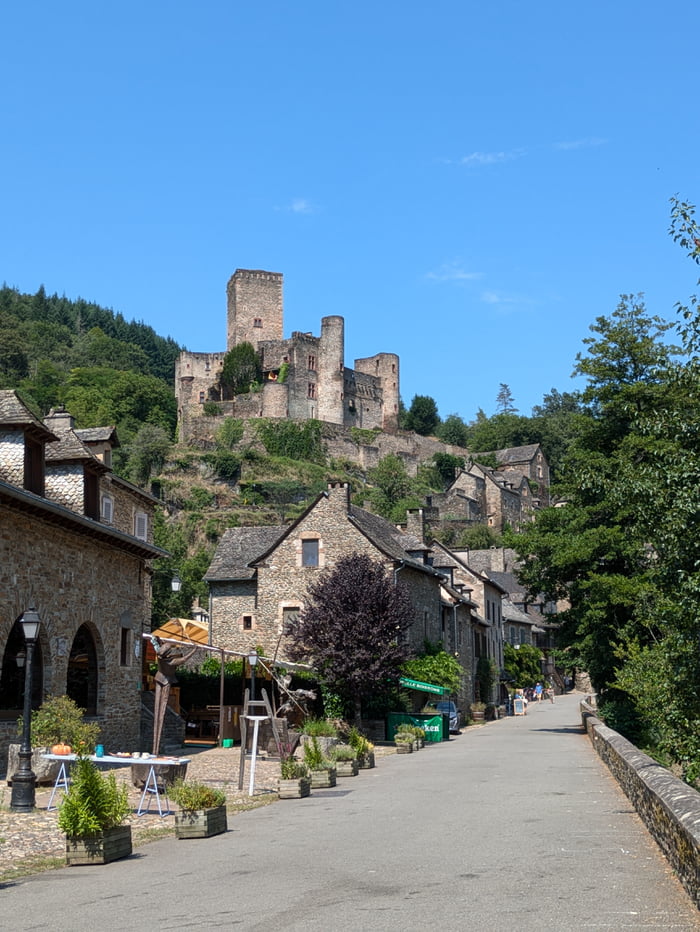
<point>238,548</point>
<point>68,447</point>
<point>387,538</point>
<point>98,435</point>
<point>517,454</point>
<point>14,413</point>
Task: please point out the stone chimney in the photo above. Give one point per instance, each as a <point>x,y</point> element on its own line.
<point>59,420</point>
<point>415,523</point>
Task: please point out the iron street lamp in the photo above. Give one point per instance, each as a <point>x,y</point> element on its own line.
<point>176,583</point>
<point>24,781</point>
<point>253,661</point>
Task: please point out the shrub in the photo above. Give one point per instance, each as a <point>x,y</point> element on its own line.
<point>343,752</point>
<point>292,769</point>
<point>211,409</point>
<point>321,727</point>
<point>93,803</point>
<point>314,758</point>
<point>192,796</point>
<point>59,720</point>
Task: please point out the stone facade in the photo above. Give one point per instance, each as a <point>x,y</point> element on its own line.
<point>89,582</point>
<point>303,377</point>
<point>259,577</point>
<point>487,595</point>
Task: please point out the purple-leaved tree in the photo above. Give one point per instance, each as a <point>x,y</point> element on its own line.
<point>353,630</point>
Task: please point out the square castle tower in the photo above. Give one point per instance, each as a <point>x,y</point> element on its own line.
<point>304,376</point>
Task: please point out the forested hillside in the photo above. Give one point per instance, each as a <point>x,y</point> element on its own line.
<point>103,368</point>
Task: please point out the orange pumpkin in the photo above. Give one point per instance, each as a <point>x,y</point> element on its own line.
<point>61,749</point>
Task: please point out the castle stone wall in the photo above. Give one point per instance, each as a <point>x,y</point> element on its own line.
<point>254,307</point>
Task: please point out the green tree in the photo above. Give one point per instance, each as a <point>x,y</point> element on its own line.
<point>242,368</point>
<point>422,417</point>
<point>435,665</point>
<point>392,484</point>
<point>147,452</point>
<point>523,665</point>
<point>505,403</point>
<point>453,430</point>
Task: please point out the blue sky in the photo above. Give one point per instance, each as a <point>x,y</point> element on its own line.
<point>469,183</point>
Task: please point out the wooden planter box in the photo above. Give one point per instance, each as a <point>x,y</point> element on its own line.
<point>367,761</point>
<point>294,789</point>
<point>108,846</point>
<point>200,823</point>
<point>323,778</point>
<point>347,768</point>
<point>403,747</point>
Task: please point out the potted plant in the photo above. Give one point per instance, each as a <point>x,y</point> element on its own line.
<point>57,727</point>
<point>202,809</point>
<point>405,739</point>
<point>323,773</point>
<point>477,711</point>
<point>404,742</point>
<point>363,748</point>
<point>92,815</point>
<point>295,782</point>
<point>345,760</point>
<point>323,729</point>
<point>418,737</point>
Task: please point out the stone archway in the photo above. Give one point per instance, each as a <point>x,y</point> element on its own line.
<point>82,677</point>
<point>12,676</point>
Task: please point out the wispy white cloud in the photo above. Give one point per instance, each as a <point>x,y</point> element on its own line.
<point>452,272</point>
<point>491,158</point>
<point>499,300</point>
<point>587,143</point>
<point>299,205</point>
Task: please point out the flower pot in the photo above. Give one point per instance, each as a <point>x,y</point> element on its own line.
<point>347,768</point>
<point>294,789</point>
<point>200,823</point>
<point>110,845</point>
<point>403,747</point>
<point>323,778</point>
<point>477,716</point>
<point>366,762</point>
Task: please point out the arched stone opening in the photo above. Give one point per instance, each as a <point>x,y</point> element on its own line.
<point>83,674</point>
<point>12,675</point>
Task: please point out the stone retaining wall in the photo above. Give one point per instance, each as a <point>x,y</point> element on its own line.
<point>669,808</point>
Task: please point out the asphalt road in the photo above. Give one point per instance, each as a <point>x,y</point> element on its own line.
<point>515,825</point>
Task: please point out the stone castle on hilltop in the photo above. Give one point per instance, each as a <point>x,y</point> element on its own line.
<point>304,376</point>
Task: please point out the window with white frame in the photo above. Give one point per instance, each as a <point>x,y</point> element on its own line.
<point>107,509</point>
<point>309,552</point>
<point>141,525</point>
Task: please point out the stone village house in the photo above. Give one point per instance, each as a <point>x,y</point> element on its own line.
<point>76,543</point>
<point>258,578</point>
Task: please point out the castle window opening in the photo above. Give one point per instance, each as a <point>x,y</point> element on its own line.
<point>247,622</point>
<point>311,390</point>
<point>309,552</point>
<point>312,363</point>
<point>257,321</point>
<point>201,398</point>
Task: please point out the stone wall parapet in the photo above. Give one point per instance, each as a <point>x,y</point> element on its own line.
<point>669,808</point>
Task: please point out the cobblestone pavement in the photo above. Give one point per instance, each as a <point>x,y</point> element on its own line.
<point>31,840</point>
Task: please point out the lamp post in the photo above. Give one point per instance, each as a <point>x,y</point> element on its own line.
<point>253,661</point>
<point>24,781</point>
<point>176,583</point>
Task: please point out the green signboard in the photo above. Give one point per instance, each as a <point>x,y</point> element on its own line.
<point>424,687</point>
